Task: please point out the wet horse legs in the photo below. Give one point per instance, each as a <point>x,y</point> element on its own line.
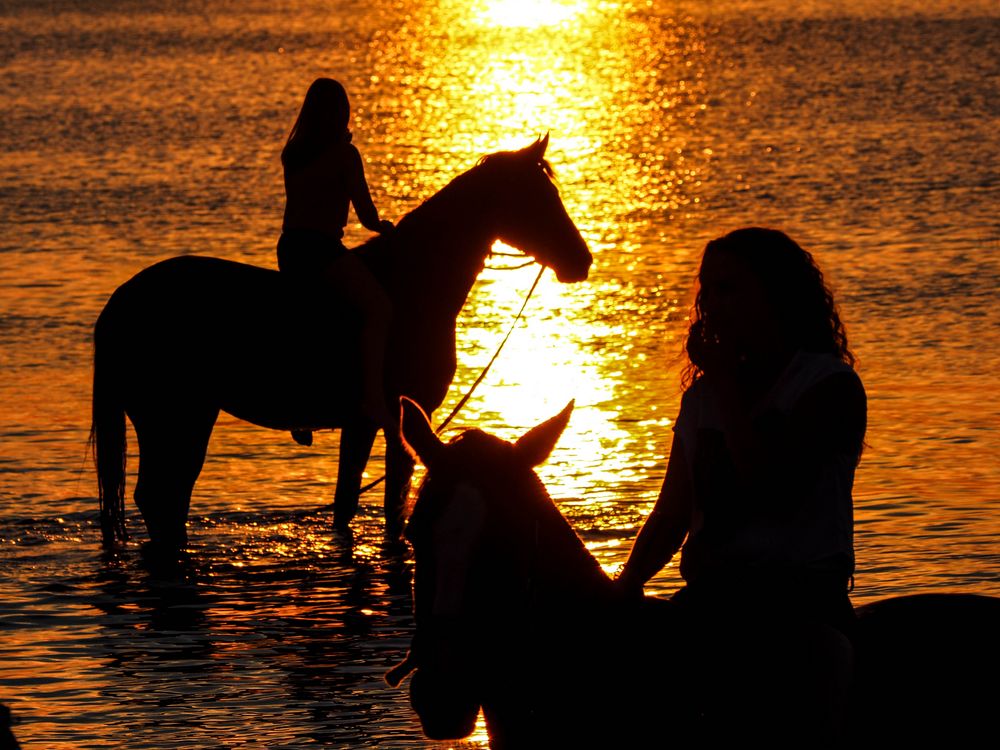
<point>355,447</point>
<point>172,446</point>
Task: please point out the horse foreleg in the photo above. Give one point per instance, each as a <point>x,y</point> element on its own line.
<point>356,441</point>
<point>398,472</point>
<point>172,449</point>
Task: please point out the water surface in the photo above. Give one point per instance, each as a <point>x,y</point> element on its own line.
<point>137,131</point>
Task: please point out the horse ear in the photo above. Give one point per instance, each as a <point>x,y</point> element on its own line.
<point>537,149</point>
<point>536,444</point>
<point>418,435</point>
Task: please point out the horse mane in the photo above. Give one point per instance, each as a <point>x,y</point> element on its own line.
<point>415,223</point>
<point>507,157</point>
<point>443,201</point>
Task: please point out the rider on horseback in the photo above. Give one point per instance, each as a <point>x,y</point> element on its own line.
<point>324,176</point>
<point>759,479</point>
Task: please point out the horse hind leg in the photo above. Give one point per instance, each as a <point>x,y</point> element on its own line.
<point>172,448</point>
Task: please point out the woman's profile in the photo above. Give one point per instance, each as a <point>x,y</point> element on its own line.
<point>324,176</point>
<point>758,487</point>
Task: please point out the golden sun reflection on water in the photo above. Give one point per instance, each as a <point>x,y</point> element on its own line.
<point>528,13</point>
<point>518,75</point>
<point>548,361</point>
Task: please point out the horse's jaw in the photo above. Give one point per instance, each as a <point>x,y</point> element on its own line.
<point>575,265</point>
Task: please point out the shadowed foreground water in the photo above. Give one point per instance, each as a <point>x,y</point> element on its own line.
<point>228,648</point>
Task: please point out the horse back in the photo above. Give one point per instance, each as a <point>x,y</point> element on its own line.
<point>242,337</point>
<point>204,304</point>
<point>927,667</point>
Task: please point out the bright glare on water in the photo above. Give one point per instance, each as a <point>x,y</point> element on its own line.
<point>135,132</point>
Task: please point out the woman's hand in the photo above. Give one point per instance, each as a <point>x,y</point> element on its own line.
<point>627,586</point>
<point>709,353</point>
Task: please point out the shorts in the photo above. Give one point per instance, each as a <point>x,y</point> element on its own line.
<point>305,252</point>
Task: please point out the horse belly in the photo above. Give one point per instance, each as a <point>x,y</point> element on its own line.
<point>195,331</point>
<point>281,378</point>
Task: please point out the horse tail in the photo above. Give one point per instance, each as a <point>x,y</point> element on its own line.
<point>107,439</point>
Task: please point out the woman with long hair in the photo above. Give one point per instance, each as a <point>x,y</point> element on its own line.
<point>758,488</point>
<point>324,177</point>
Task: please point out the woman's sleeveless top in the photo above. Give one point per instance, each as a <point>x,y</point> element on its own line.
<point>729,534</point>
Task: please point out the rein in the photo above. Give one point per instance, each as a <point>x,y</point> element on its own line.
<point>498,254</point>
<point>482,375</point>
<point>496,354</point>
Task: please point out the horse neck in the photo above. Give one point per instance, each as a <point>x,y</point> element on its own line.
<point>559,563</point>
<point>441,247</point>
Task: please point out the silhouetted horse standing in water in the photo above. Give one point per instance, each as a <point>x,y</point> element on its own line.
<point>192,335</point>
<point>514,616</point>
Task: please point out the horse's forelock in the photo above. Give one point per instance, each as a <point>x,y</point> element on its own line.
<point>472,457</point>
<point>478,443</point>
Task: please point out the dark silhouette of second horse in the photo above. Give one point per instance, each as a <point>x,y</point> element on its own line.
<point>515,617</point>
<point>192,335</point>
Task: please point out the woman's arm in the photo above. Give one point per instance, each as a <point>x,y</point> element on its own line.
<point>360,195</point>
<point>664,530</point>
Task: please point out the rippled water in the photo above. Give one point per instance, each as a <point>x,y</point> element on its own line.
<point>136,131</point>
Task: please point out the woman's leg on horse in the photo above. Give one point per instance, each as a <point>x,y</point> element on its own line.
<point>798,680</point>
<point>172,447</point>
<point>352,280</point>
<point>828,658</point>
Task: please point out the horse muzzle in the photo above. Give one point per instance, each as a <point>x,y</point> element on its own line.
<point>578,270</point>
<point>446,708</point>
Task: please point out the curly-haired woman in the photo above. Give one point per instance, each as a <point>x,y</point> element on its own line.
<point>758,490</point>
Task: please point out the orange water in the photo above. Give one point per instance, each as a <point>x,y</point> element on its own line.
<point>131,134</point>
